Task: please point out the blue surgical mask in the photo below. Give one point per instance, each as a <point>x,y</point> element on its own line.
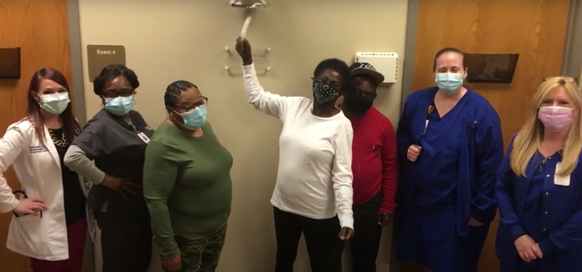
<point>449,83</point>
<point>194,118</point>
<point>120,105</point>
<point>323,92</point>
<point>54,103</point>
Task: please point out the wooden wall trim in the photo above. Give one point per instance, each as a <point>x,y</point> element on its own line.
<point>410,47</point>
<point>78,89</point>
<point>407,80</point>
<point>572,61</point>
<point>76,49</point>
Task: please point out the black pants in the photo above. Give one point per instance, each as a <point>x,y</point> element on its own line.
<point>126,242</point>
<point>321,236</point>
<point>366,241</point>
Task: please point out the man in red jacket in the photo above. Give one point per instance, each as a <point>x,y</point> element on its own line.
<point>373,165</point>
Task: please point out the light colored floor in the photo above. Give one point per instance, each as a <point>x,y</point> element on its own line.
<point>301,264</point>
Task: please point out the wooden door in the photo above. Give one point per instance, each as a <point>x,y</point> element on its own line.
<point>40,29</point>
<point>534,29</point>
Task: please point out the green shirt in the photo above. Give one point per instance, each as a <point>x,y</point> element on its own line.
<point>187,185</point>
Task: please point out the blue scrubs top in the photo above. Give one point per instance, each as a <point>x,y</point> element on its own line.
<point>549,212</point>
<point>439,158</point>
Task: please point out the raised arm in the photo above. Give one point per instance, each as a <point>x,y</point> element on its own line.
<point>11,145</point>
<point>342,177</point>
<point>159,177</point>
<point>269,103</point>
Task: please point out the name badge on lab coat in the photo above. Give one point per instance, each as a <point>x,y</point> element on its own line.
<point>561,180</point>
<point>143,137</point>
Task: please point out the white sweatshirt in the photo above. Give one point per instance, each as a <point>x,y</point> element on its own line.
<point>314,178</point>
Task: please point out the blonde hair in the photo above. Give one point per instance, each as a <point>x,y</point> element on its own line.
<point>531,134</point>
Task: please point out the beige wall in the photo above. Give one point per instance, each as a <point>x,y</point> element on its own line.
<point>168,40</point>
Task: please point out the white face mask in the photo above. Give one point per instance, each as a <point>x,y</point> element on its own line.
<point>54,103</point>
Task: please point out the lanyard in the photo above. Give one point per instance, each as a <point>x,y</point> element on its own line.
<point>132,126</point>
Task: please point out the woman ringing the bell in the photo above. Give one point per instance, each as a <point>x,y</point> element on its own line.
<point>313,192</point>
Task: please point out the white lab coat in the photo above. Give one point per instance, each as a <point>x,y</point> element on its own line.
<point>38,168</point>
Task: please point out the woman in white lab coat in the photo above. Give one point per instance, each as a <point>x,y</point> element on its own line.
<point>50,220</point>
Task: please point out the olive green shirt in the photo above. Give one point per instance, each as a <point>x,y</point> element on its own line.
<point>187,185</point>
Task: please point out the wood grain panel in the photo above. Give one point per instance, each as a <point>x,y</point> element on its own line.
<point>40,28</point>
<point>536,29</point>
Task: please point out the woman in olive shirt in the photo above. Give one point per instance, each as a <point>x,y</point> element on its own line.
<point>187,183</point>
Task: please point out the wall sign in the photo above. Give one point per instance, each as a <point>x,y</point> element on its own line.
<point>99,56</point>
<point>10,63</point>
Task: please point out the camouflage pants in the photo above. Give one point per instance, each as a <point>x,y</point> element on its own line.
<point>201,255</point>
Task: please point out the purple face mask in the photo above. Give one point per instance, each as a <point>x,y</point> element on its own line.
<point>555,118</point>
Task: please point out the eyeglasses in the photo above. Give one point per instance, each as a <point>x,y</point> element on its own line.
<point>202,103</point>
<point>117,93</point>
<point>567,79</point>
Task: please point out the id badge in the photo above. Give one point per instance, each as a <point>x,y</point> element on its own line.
<point>143,137</point>
<point>561,180</point>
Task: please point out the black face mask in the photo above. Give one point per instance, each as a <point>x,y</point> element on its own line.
<point>358,102</point>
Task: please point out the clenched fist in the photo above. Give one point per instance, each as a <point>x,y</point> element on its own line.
<point>413,152</point>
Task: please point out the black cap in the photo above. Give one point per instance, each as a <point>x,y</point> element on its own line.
<point>366,69</point>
